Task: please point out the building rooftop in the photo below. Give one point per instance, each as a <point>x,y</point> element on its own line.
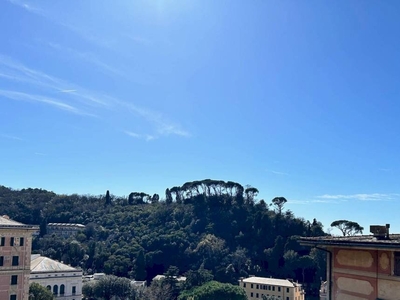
<point>179,278</point>
<point>42,264</point>
<point>66,225</point>
<point>359,241</point>
<point>271,281</point>
<point>6,222</point>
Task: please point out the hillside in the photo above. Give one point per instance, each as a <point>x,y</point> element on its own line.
<point>218,225</point>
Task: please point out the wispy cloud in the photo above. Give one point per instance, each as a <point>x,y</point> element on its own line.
<point>146,137</point>
<point>26,6</point>
<point>68,91</point>
<point>83,32</point>
<point>313,201</point>
<point>36,98</point>
<point>76,99</point>
<point>89,58</point>
<point>278,172</point>
<point>164,127</point>
<point>340,198</point>
<point>40,154</point>
<point>362,197</point>
<point>15,71</point>
<point>11,137</point>
<point>138,39</point>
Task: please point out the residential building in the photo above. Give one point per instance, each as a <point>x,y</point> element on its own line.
<point>64,229</point>
<point>361,267</point>
<point>15,254</point>
<point>271,288</point>
<point>179,279</point>
<point>323,291</point>
<point>64,281</point>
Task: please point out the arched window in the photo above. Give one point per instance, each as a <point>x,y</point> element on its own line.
<point>55,289</point>
<point>62,289</point>
<point>48,287</point>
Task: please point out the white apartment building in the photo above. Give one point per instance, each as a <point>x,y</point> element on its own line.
<point>64,281</point>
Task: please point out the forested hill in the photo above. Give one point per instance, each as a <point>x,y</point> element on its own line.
<point>218,225</point>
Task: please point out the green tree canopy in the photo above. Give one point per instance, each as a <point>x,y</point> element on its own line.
<point>215,290</point>
<point>110,286</point>
<point>39,292</point>
<point>348,227</point>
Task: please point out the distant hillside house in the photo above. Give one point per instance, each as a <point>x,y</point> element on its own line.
<point>15,257</point>
<point>64,229</point>
<point>364,267</point>
<point>64,281</point>
<point>271,288</point>
<point>179,279</point>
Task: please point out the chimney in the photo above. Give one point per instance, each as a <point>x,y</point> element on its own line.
<point>380,232</point>
<point>387,231</point>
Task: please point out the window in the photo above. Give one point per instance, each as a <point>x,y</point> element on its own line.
<point>257,295</point>
<point>287,298</point>
<point>279,288</point>
<point>13,297</point>
<point>48,287</point>
<point>2,241</point>
<point>62,289</point>
<point>269,287</point>
<point>12,241</point>
<point>251,294</point>
<point>244,284</point>
<point>14,279</point>
<point>257,286</point>
<point>396,265</point>
<point>73,290</point>
<point>251,285</point>
<point>287,290</point>
<point>1,261</point>
<point>21,241</point>
<point>55,289</point>
<point>273,288</point>
<point>15,261</point>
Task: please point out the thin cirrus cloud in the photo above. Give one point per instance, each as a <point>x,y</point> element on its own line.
<point>146,137</point>
<point>91,58</point>
<point>278,172</point>
<point>340,198</point>
<point>87,57</point>
<point>79,99</point>
<point>313,201</point>
<point>68,91</point>
<point>37,98</point>
<point>15,71</point>
<point>11,137</point>
<point>362,197</point>
<point>27,6</point>
<point>84,33</point>
<point>163,126</point>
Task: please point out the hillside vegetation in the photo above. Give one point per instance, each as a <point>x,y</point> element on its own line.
<point>214,225</point>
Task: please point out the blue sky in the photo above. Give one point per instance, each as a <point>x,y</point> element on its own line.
<point>296,98</point>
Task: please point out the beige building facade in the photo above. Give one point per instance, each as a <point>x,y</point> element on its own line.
<point>15,259</point>
<point>271,288</point>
